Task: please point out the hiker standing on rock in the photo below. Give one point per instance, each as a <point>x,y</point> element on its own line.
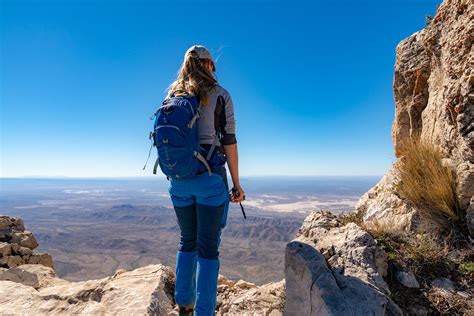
<point>198,112</point>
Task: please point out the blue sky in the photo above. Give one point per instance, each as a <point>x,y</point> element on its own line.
<point>311,81</point>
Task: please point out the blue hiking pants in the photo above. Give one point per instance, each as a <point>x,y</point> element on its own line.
<point>201,205</point>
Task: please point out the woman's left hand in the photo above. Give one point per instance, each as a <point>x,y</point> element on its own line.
<point>240,197</point>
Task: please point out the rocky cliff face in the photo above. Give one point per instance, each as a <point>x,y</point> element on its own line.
<point>333,268</point>
<point>434,95</point>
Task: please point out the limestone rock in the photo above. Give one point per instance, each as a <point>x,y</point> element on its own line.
<point>11,261</point>
<point>5,249</point>
<point>20,276</point>
<point>46,275</point>
<point>24,251</point>
<point>434,94</point>
<point>44,259</point>
<point>24,239</point>
<point>245,298</point>
<point>144,291</point>
<point>383,206</point>
<point>7,222</point>
<point>17,244</point>
<point>351,284</point>
<point>244,284</point>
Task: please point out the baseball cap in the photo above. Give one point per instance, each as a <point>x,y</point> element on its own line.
<point>201,51</point>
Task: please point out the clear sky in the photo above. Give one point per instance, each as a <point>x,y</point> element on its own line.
<point>311,81</point>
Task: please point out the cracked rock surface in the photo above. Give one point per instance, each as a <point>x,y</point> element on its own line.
<point>335,269</point>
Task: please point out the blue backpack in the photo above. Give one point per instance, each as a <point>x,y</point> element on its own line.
<point>176,138</point>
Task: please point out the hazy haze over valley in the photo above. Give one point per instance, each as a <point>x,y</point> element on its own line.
<point>92,227</point>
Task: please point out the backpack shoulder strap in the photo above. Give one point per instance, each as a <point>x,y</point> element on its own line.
<point>197,115</point>
<point>220,100</point>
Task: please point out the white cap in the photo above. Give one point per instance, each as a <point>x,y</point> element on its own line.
<point>201,51</point>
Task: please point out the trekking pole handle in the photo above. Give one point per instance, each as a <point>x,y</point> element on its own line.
<point>236,192</point>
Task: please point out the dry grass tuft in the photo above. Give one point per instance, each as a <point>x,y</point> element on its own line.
<point>427,183</point>
<point>356,217</point>
<point>380,227</point>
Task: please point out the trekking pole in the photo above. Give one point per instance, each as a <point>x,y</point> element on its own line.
<point>236,193</point>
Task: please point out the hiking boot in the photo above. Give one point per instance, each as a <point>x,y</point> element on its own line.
<point>183,311</point>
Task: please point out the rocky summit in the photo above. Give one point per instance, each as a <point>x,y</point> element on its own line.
<point>333,266</point>
<point>29,284</point>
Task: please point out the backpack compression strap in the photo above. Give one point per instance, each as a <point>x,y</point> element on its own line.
<point>155,166</point>
<point>213,146</point>
<point>198,156</point>
<point>203,160</point>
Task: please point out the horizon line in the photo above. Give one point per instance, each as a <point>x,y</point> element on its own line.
<point>149,177</point>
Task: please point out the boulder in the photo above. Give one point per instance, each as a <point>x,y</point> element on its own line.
<point>245,298</point>
<point>18,275</point>
<point>44,259</point>
<point>5,249</point>
<point>383,206</point>
<point>24,239</point>
<point>144,291</point>
<point>347,280</point>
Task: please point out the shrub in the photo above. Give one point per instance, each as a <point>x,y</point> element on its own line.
<point>424,181</point>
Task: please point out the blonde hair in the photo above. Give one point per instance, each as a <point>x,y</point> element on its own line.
<point>194,78</point>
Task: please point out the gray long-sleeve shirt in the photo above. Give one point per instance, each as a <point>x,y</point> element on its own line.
<point>217,118</point>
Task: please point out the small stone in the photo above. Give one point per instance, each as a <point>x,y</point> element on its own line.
<point>463,294</point>
<point>5,222</point>
<point>225,281</point>
<point>15,248</point>
<point>11,261</point>
<point>19,224</point>
<point>44,259</point>
<point>5,249</point>
<point>23,251</point>
<point>245,285</point>
<point>417,310</point>
<point>29,240</point>
<point>407,279</point>
<point>444,284</point>
<point>328,252</point>
<point>338,269</point>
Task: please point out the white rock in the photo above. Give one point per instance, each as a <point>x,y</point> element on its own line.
<point>312,288</point>
<point>146,290</point>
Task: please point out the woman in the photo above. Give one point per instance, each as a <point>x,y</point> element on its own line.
<point>201,201</point>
